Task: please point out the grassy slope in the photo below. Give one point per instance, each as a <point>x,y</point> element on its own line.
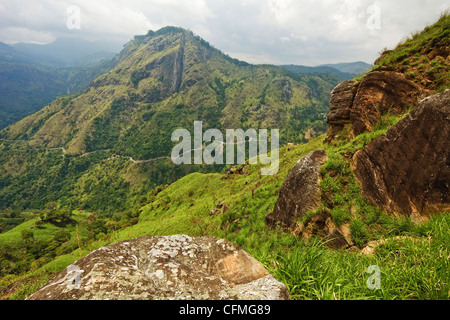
<point>422,56</point>
<point>45,232</point>
<point>410,269</point>
<point>413,267</point>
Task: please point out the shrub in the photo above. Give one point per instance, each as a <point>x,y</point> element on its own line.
<point>58,217</point>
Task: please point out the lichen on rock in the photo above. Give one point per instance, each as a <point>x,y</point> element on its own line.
<point>175,267</point>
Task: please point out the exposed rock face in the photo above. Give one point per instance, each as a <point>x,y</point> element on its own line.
<point>175,267</point>
<point>378,93</point>
<point>300,191</point>
<point>406,171</point>
<point>363,104</point>
<point>322,225</point>
<point>341,103</point>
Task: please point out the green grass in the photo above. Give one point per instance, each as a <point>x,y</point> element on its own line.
<point>414,261</point>
<point>409,269</point>
<point>42,233</point>
<point>416,270</point>
<point>411,55</point>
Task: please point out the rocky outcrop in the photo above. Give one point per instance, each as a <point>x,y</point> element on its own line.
<point>322,225</point>
<point>341,103</point>
<point>361,105</point>
<point>378,93</point>
<point>162,268</point>
<point>300,191</point>
<point>406,171</point>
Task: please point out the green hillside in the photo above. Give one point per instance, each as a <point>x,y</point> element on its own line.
<point>26,88</point>
<point>94,167</point>
<point>422,56</point>
<point>163,81</point>
<point>233,206</point>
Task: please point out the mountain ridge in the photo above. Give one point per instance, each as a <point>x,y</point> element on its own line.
<point>169,80</point>
<point>66,52</point>
<point>29,82</point>
<point>162,81</point>
<point>344,71</point>
<point>234,203</point>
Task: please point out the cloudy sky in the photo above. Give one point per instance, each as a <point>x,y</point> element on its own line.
<point>307,32</point>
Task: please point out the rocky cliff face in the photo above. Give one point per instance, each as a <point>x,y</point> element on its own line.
<point>174,267</point>
<point>403,172</point>
<point>361,105</point>
<point>406,171</point>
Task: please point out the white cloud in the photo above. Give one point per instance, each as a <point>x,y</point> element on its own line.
<point>105,17</point>
<point>273,31</point>
<point>18,34</point>
<point>100,18</point>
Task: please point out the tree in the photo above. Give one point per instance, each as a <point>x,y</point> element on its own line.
<point>58,217</point>
<point>27,236</point>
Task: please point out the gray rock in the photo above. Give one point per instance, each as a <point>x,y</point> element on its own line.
<point>340,108</point>
<point>300,191</point>
<point>165,268</point>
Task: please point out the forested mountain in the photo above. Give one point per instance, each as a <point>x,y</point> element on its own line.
<point>344,71</point>
<point>162,81</point>
<point>358,213</point>
<point>66,52</point>
<point>357,68</point>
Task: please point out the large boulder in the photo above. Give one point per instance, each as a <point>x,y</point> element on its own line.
<point>360,106</point>
<point>381,92</point>
<point>300,191</point>
<point>406,171</point>
<point>163,268</point>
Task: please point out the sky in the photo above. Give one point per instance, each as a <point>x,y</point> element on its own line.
<point>305,32</point>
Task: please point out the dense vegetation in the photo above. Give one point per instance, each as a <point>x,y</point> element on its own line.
<point>26,89</point>
<point>28,83</point>
<point>104,148</point>
<point>413,266</point>
<point>319,70</point>
<point>90,193</point>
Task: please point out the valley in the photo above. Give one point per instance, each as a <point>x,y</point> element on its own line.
<point>362,179</point>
